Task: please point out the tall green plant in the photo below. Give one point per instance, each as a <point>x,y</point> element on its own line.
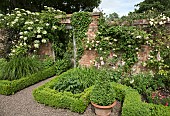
<point>19,67</point>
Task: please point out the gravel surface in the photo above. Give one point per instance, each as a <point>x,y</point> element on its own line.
<point>23,104</point>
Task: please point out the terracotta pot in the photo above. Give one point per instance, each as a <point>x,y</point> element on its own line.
<point>103,110</point>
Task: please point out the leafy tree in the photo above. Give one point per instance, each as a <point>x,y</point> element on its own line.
<point>162,6</point>
<point>112,16</point>
<point>69,6</point>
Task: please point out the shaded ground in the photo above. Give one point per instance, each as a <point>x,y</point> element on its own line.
<point>23,104</point>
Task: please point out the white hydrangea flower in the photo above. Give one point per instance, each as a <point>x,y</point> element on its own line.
<point>44,32</point>
<point>115,40</point>
<point>39,36</point>
<point>44,41</point>
<point>161,23</point>
<point>47,24</point>
<point>139,36</point>
<point>54,27</point>
<point>29,28</point>
<point>25,38</point>
<point>18,12</point>
<point>25,32</point>
<point>36,45</point>
<point>21,33</point>
<point>1,15</point>
<point>16,20</point>
<point>36,41</point>
<point>21,37</point>
<point>19,15</point>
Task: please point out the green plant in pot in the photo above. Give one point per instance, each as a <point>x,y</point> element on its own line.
<point>103,97</point>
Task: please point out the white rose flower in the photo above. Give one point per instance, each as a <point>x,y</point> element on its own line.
<point>25,44</point>
<point>89,48</point>
<point>101,58</point>
<point>88,42</point>
<point>100,49</point>
<point>150,22</point>
<point>102,63</point>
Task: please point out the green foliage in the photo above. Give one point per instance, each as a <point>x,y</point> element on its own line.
<point>131,99</point>
<point>20,67</point>
<point>62,65</point>
<point>31,29</point>
<point>66,5</point>
<point>162,6</point>
<point>76,80</point>
<point>80,22</point>
<point>47,62</point>
<point>102,94</point>
<point>75,102</point>
<point>143,83</point>
<point>10,87</point>
<point>2,64</point>
<point>119,42</point>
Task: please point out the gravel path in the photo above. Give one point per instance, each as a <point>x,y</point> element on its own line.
<point>23,104</point>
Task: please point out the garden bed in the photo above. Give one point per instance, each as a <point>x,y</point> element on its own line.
<point>11,87</point>
<point>131,99</point>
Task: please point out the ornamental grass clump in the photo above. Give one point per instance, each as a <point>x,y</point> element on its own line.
<point>20,66</point>
<point>103,93</point>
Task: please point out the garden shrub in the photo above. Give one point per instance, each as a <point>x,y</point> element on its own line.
<point>76,80</point>
<point>131,99</point>
<point>20,66</point>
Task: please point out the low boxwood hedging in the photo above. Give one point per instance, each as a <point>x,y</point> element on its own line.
<point>133,106</point>
<point>10,87</point>
<point>131,99</point>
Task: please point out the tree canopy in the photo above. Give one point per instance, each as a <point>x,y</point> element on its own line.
<point>69,6</point>
<point>159,5</point>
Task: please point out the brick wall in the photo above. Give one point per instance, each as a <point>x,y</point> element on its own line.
<point>90,55</point>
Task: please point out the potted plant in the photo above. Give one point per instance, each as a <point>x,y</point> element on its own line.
<point>103,97</point>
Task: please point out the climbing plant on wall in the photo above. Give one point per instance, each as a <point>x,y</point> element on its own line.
<point>31,29</point>
<point>80,22</point>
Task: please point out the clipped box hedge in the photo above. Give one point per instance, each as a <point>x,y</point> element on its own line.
<point>10,87</point>
<point>133,106</point>
<point>131,99</point>
<point>75,102</point>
